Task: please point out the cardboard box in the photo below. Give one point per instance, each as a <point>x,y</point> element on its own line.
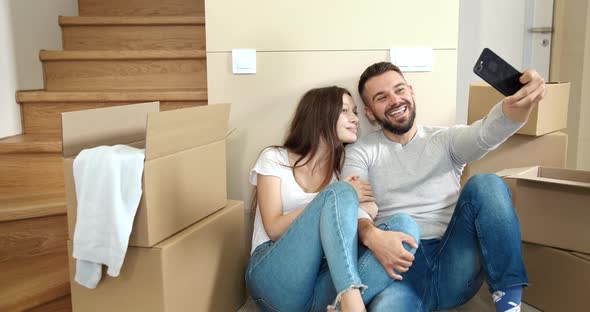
<point>249,216</point>
<point>184,178</point>
<point>199,269</point>
<point>558,279</point>
<point>553,206</point>
<point>549,150</point>
<point>549,116</point>
<point>581,255</point>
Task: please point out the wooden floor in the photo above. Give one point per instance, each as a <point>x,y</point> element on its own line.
<point>482,302</point>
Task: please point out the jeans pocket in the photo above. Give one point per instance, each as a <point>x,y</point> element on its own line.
<point>265,306</point>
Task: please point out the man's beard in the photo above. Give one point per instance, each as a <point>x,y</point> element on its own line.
<point>403,128</point>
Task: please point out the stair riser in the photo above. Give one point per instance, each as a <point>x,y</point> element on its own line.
<point>28,283</point>
<point>31,174</point>
<point>140,7</point>
<point>96,75</point>
<point>46,117</point>
<point>63,304</point>
<point>27,238</point>
<point>151,37</point>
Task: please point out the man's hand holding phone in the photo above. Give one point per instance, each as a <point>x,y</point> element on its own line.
<point>518,107</point>
<point>523,91</point>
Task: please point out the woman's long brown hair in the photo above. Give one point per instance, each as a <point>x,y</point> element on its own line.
<point>315,118</point>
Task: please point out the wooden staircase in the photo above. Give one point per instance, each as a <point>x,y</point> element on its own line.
<point>117,52</point>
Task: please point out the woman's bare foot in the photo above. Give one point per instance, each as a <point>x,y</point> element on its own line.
<point>351,301</point>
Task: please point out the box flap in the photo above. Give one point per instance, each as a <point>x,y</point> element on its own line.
<point>555,181</point>
<point>513,172</point>
<point>557,176</point>
<point>104,126</point>
<point>581,255</point>
<point>565,174</point>
<point>178,130</point>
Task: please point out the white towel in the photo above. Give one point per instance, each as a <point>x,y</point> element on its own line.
<point>108,190</point>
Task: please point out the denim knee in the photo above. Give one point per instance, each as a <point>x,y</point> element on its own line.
<point>485,182</point>
<point>489,192</point>
<point>403,222</point>
<point>343,190</point>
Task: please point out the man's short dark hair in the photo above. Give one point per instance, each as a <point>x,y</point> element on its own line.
<point>375,70</point>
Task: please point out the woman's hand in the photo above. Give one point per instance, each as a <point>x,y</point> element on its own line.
<point>363,189</point>
<point>370,208</point>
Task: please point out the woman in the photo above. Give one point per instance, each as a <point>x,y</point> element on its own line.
<point>304,245</point>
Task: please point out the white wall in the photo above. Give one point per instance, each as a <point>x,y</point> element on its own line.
<point>498,25</point>
<point>9,110</point>
<point>308,43</point>
<point>26,26</point>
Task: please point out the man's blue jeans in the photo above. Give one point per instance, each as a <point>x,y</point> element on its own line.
<point>483,237</point>
<point>317,257</point>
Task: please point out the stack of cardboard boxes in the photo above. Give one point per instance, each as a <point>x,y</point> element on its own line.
<point>553,207</point>
<point>552,203</point>
<point>186,249</point>
<point>538,142</point>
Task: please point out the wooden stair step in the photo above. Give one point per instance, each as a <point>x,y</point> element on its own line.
<point>30,282</point>
<point>28,238</point>
<point>31,173</point>
<point>140,7</point>
<point>130,20</point>
<point>42,110</point>
<point>53,55</point>
<point>31,143</point>
<point>63,304</point>
<point>20,207</point>
<point>124,70</point>
<point>133,32</point>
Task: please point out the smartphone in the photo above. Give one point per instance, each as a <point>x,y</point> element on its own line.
<point>497,72</point>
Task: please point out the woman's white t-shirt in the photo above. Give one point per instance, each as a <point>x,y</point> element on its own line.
<point>274,161</point>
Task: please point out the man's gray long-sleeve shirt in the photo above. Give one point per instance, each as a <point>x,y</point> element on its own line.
<point>422,177</point>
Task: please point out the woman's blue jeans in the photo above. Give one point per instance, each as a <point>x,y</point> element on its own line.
<point>483,238</point>
<point>316,259</point>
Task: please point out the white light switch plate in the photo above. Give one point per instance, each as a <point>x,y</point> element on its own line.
<point>243,61</point>
<point>412,59</point>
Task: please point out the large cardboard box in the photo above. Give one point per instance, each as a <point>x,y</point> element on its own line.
<point>549,116</point>
<point>558,279</point>
<point>553,206</point>
<point>184,178</point>
<point>549,150</point>
<point>199,269</point>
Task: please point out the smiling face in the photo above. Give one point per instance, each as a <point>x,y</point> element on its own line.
<point>390,102</point>
<point>347,124</point>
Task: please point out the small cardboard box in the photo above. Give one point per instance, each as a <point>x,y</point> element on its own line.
<point>199,269</point>
<point>549,116</point>
<point>553,206</point>
<point>549,150</point>
<point>184,178</point>
<point>557,279</point>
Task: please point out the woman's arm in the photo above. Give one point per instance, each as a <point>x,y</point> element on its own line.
<point>271,207</point>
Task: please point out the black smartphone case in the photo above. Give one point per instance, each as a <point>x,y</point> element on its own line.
<point>497,72</point>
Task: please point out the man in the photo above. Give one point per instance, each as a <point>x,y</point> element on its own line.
<point>416,170</point>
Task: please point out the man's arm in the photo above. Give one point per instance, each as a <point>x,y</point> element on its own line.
<point>470,143</point>
<point>386,246</point>
<point>356,164</point>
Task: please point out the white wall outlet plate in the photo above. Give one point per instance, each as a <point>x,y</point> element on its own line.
<point>243,61</point>
<point>412,59</point>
